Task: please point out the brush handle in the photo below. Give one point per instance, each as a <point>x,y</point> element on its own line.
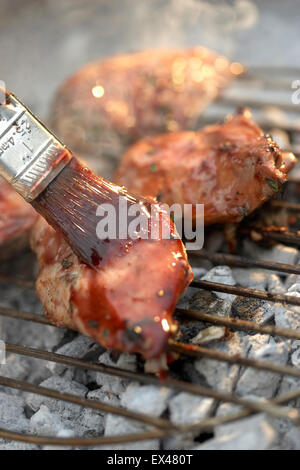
<point>30,156</point>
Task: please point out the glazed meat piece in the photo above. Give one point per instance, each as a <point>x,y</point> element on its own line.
<point>16,220</point>
<point>231,168</point>
<point>127,304</point>
<point>108,104</point>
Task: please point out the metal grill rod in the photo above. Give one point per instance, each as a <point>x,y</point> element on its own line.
<point>208,423</point>
<point>199,351</point>
<point>235,323</point>
<point>266,407</point>
<point>205,424</point>
<point>18,281</point>
<point>279,236</point>
<point>239,324</point>
<point>285,204</point>
<point>246,292</point>
<point>96,405</point>
<point>184,349</point>
<point>83,442</point>
<point>243,262</point>
<point>144,378</point>
<point>178,347</point>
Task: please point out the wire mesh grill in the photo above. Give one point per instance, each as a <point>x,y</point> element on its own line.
<point>258,84</point>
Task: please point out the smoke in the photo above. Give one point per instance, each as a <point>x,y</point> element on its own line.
<point>192,22</point>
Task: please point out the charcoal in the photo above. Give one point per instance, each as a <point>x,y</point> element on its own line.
<point>253,433</point>
<point>278,253</point>
<point>262,383</point>
<point>12,416</point>
<point>254,310</point>
<point>221,375</point>
<point>208,302</point>
<point>188,409</point>
<point>222,275</point>
<point>275,284</point>
<point>146,398</point>
<point>46,423</point>
<point>77,348</point>
<point>112,384</point>
<point>45,416</point>
<point>117,425</point>
<point>250,278</point>
<point>60,384</point>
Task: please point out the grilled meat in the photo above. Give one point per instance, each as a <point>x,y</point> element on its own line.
<point>127,304</point>
<point>16,220</point>
<point>231,168</point>
<point>111,103</point>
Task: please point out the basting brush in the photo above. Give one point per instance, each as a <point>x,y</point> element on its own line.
<point>64,191</point>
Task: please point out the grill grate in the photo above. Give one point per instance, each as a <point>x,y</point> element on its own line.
<point>254,80</point>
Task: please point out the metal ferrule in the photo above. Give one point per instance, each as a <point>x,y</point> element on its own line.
<point>30,156</point>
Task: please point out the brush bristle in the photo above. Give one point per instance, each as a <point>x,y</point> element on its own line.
<point>70,203</point>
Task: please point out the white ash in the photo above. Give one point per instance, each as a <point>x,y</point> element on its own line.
<point>288,440</point>
<point>22,368</point>
<point>275,284</point>
<point>295,288</point>
<point>12,414</point>
<point>16,367</point>
<point>117,425</point>
<point>16,445</point>
<point>288,437</point>
<point>287,384</point>
<point>250,278</point>
<point>294,293</point>
<point>62,385</point>
<point>226,409</point>
<point>286,317</point>
<point>209,335</point>
<point>87,423</point>
<point>221,375</point>
<point>253,433</point>
<point>187,409</point>
<point>230,436</point>
<point>295,358</point>
<point>78,348</point>
<point>292,279</point>
<point>146,398</point>
<point>278,253</point>
<point>44,416</point>
<point>222,275</point>
<point>110,383</point>
<point>262,383</point>
<point>45,423</point>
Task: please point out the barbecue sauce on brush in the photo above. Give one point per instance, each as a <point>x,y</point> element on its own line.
<point>70,205</point>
